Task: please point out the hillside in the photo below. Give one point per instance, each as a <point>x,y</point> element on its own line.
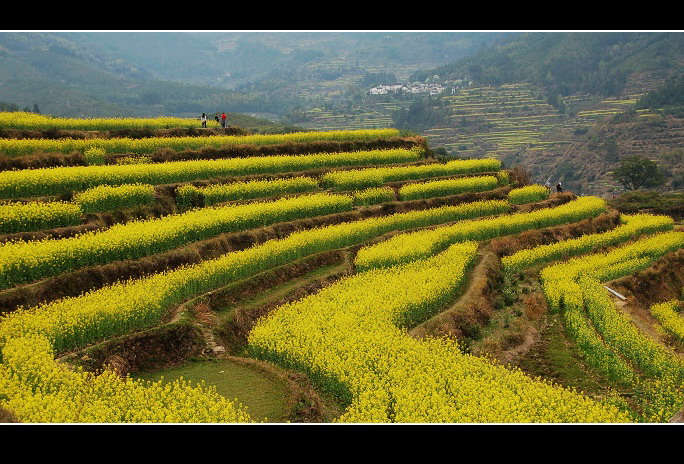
<point>368,240</point>
<point>585,164</point>
<point>85,74</point>
<point>567,106</point>
<point>579,145</point>
<point>568,63</point>
<point>330,276</point>
<point>584,149</point>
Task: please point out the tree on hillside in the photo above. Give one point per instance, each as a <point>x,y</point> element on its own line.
<point>557,102</point>
<point>671,93</point>
<point>5,106</point>
<point>636,171</point>
<point>423,114</point>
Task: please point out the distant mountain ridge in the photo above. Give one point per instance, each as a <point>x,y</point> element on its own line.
<point>181,73</point>
<point>569,62</point>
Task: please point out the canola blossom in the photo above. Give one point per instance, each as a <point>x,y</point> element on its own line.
<point>38,389</point>
<point>118,309</point>
<point>22,262</point>
<point>107,198</point>
<point>442,188</point>
<point>589,342</point>
<point>421,244</point>
<point>125,306</point>
<point>26,120</point>
<point>37,215</point>
<point>95,156</point>
<point>669,316</point>
<point>528,194</point>
<point>149,145</point>
<point>608,339</point>
<point>605,336</point>
<point>376,177</point>
<point>188,195</point>
<point>632,226</point>
<point>373,196</point>
<point>618,331</point>
<point>503,177</point>
<point>351,339</point>
<point>621,261</point>
<point>114,310</point>
<point>56,180</point>
<point>386,374</point>
<point>133,160</point>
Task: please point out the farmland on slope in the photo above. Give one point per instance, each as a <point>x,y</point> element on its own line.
<point>333,276</point>
<point>578,142</point>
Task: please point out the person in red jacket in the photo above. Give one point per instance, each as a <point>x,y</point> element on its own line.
<point>223,120</point>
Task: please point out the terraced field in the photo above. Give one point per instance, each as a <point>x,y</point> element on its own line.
<point>517,116</point>
<point>369,117</point>
<point>341,277</point>
<point>490,121</point>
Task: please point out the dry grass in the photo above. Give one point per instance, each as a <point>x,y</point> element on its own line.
<point>204,315</point>
<point>118,364</point>
<point>519,176</point>
<point>535,306</point>
<point>6,417</point>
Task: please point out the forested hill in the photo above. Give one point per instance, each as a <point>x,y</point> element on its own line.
<point>89,74</point>
<point>567,62</point>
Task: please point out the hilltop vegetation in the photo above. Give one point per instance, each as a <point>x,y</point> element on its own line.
<point>669,98</point>
<point>568,63</point>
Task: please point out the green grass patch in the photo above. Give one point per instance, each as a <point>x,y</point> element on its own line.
<point>264,395</point>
